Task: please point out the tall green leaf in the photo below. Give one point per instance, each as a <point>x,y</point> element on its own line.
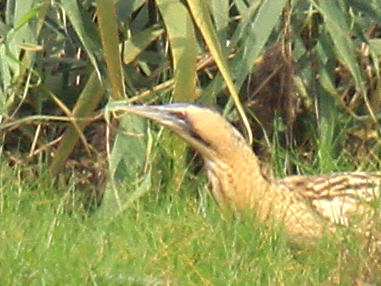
<point>182,42</point>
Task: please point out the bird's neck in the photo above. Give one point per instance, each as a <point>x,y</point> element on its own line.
<point>237,180</point>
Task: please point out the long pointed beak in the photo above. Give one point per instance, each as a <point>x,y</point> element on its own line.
<point>170,116</point>
<point>162,114</point>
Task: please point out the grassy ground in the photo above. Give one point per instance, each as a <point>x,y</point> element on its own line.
<point>171,242</point>
<point>312,67</point>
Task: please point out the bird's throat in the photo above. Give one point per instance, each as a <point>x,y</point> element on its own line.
<point>237,184</point>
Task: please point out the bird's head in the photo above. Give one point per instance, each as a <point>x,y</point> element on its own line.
<point>230,163</point>
<point>204,129</point>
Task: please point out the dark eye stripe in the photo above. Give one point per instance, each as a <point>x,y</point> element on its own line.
<point>179,114</point>
<point>182,115</point>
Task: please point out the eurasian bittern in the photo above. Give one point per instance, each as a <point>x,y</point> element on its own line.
<point>306,204</point>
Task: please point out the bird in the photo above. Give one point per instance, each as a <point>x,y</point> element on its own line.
<point>307,205</point>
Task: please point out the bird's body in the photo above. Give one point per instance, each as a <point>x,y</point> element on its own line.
<point>335,199</point>
<point>306,204</point>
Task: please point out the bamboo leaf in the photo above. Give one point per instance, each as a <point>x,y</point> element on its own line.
<point>86,31</point>
<point>108,27</point>
<point>134,46</point>
<point>85,105</point>
<point>339,31</point>
<point>182,41</point>
<point>127,164</point>
<point>203,21</point>
<point>255,34</point>
<point>130,137</point>
<point>258,32</point>
<point>371,8</point>
<point>220,12</point>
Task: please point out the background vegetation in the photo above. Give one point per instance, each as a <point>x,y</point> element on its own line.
<point>86,198</point>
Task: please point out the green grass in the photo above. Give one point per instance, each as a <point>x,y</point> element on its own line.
<point>167,236</point>
<point>169,242</point>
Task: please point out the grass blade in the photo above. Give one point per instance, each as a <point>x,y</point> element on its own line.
<point>203,20</point>
<point>108,27</point>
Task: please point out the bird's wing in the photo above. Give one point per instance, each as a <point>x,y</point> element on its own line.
<point>337,197</point>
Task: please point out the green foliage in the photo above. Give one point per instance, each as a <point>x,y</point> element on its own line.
<point>174,243</point>
<point>143,49</point>
<point>306,72</point>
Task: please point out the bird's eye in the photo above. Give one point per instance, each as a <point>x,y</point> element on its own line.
<point>180,115</point>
